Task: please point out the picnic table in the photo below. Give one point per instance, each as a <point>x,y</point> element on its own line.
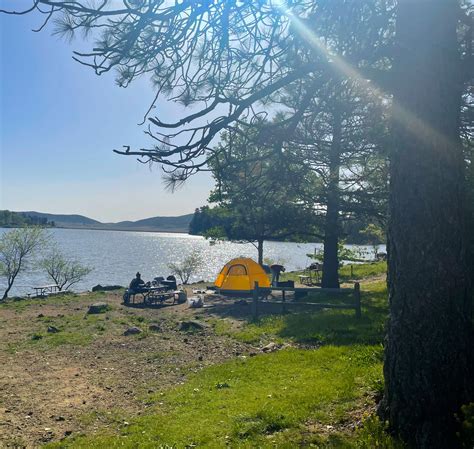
<point>152,295</point>
<point>310,277</point>
<point>43,290</point>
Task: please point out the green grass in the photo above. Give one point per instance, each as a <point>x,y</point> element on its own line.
<point>266,401</point>
<point>362,271</point>
<point>359,272</point>
<point>337,327</point>
<point>20,305</point>
<point>285,399</point>
<point>75,330</point>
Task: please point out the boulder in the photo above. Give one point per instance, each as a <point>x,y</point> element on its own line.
<point>105,288</point>
<point>53,330</point>
<point>154,327</point>
<point>98,307</point>
<point>190,326</point>
<point>132,331</point>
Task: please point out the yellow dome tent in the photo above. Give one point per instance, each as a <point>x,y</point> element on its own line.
<point>239,276</point>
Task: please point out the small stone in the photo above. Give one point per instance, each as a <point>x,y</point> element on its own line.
<point>132,331</point>
<point>200,358</point>
<point>270,347</point>
<point>154,327</point>
<point>40,315</point>
<point>60,418</point>
<point>53,330</point>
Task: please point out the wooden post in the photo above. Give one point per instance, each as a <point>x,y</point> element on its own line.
<point>283,304</point>
<point>255,301</point>
<point>358,310</point>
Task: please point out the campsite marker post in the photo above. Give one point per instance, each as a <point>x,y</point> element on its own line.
<point>255,301</point>
<point>358,311</point>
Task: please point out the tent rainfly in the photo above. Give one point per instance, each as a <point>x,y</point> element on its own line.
<point>239,276</point>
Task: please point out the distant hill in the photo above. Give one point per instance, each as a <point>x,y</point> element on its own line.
<point>180,223</point>
<point>154,224</point>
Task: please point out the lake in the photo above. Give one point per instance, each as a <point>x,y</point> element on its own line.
<point>116,256</point>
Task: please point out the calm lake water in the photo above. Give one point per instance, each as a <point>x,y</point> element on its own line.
<point>116,256</point>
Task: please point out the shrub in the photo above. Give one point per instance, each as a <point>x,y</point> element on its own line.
<point>185,269</point>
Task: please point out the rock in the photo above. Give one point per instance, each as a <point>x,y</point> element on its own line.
<point>132,331</point>
<point>189,326</point>
<point>60,418</point>
<point>270,347</point>
<point>40,316</point>
<point>154,327</point>
<point>53,330</point>
<point>98,307</point>
<point>105,288</point>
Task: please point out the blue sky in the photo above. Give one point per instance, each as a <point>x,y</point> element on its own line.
<point>58,125</point>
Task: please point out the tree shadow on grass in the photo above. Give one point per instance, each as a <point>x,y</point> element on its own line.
<point>308,324</point>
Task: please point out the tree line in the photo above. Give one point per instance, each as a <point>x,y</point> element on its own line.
<point>217,223</point>
<point>9,219</point>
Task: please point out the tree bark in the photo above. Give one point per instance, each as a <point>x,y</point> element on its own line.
<point>260,251</point>
<point>9,286</point>
<point>428,363</point>
<point>330,278</point>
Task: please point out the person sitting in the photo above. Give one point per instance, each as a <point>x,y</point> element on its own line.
<point>137,284</point>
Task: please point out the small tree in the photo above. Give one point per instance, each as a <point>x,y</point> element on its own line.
<point>187,267</point>
<point>16,249</point>
<point>64,272</point>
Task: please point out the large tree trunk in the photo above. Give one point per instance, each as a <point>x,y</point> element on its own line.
<point>330,277</point>
<point>429,346</point>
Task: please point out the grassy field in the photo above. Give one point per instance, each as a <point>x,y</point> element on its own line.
<point>317,387</point>
<point>350,272</point>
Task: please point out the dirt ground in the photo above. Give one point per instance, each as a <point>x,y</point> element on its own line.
<point>89,375</point>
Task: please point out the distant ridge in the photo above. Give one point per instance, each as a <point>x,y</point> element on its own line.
<point>153,224</point>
